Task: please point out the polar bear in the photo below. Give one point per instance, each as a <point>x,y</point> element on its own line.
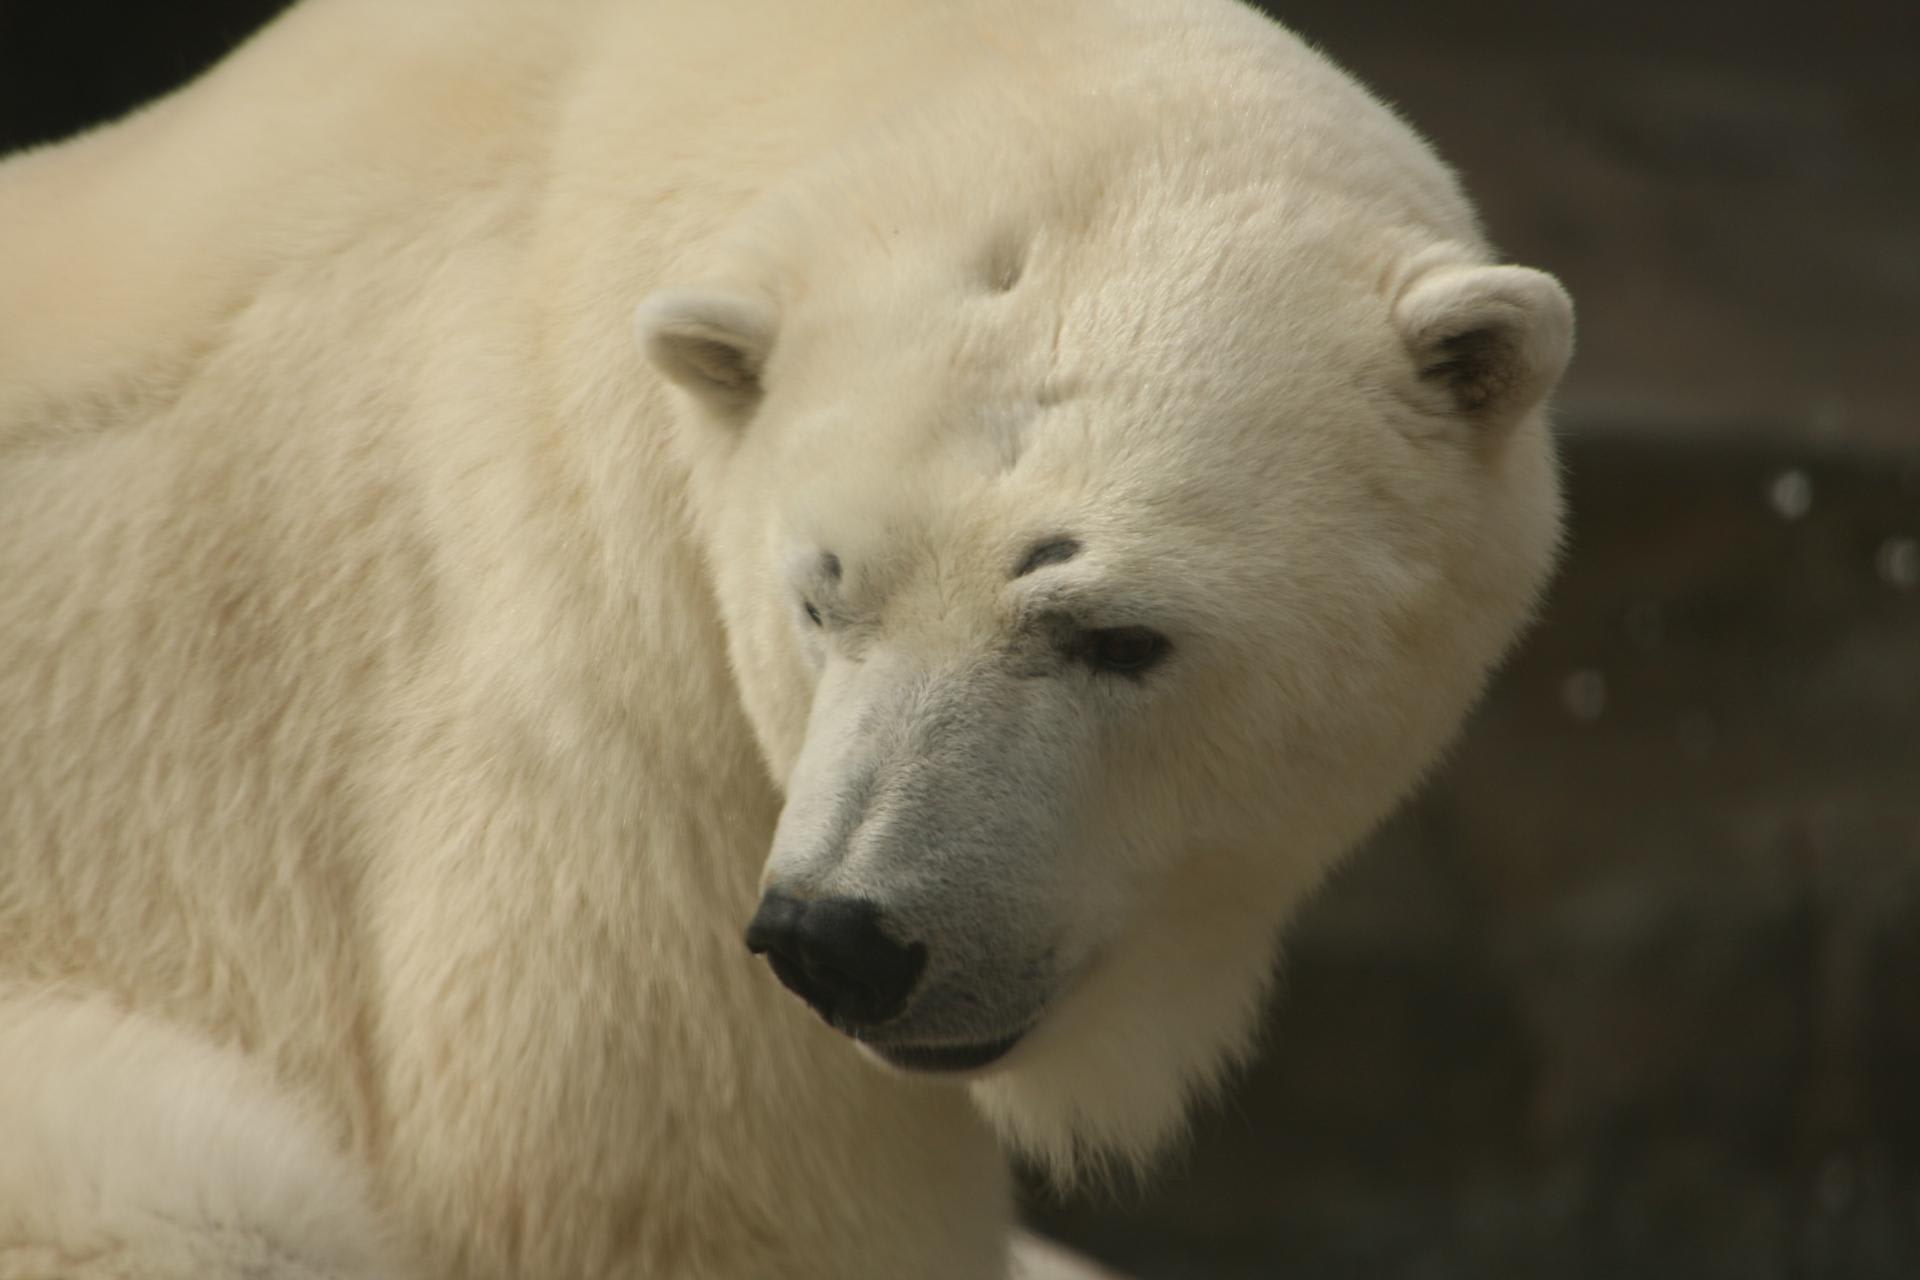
<point>650,632</point>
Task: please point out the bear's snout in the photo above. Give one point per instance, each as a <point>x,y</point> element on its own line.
<point>832,953</point>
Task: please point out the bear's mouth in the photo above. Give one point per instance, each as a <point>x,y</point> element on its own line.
<point>944,1057</point>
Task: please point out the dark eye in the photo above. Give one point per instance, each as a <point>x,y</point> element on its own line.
<point>813,614</point>
<point>1122,650</point>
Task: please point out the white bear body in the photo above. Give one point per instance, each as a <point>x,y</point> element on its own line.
<point>136,1150</point>
<point>375,694</point>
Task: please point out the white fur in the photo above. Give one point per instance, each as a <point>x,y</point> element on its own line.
<point>401,677</point>
<point>133,1150</point>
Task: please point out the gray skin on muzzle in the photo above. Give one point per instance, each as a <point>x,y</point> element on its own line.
<point>942,796</point>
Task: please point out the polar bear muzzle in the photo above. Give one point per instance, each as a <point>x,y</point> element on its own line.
<point>833,954</point>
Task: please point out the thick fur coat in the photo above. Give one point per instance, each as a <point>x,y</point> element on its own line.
<point>412,678</point>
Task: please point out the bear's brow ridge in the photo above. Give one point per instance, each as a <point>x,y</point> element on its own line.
<point>1048,551</point>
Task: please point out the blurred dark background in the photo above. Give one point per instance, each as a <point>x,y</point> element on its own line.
<point>1633,988</point>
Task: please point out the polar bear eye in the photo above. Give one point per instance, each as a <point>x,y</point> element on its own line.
<point>813,614</point>
<point>1122,650</point>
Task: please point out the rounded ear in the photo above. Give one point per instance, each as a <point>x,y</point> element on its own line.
<point>1494,339</point>
<point>712,342</point>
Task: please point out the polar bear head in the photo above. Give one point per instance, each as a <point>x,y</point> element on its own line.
<point>1100,559</point>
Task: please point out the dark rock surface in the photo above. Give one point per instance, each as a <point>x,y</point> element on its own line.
<point>1730,191</point>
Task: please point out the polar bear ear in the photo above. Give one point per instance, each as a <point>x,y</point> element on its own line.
<point>712,342</point>
<point>1495,340</point>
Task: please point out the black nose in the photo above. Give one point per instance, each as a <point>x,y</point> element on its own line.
<point>831,953</point>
